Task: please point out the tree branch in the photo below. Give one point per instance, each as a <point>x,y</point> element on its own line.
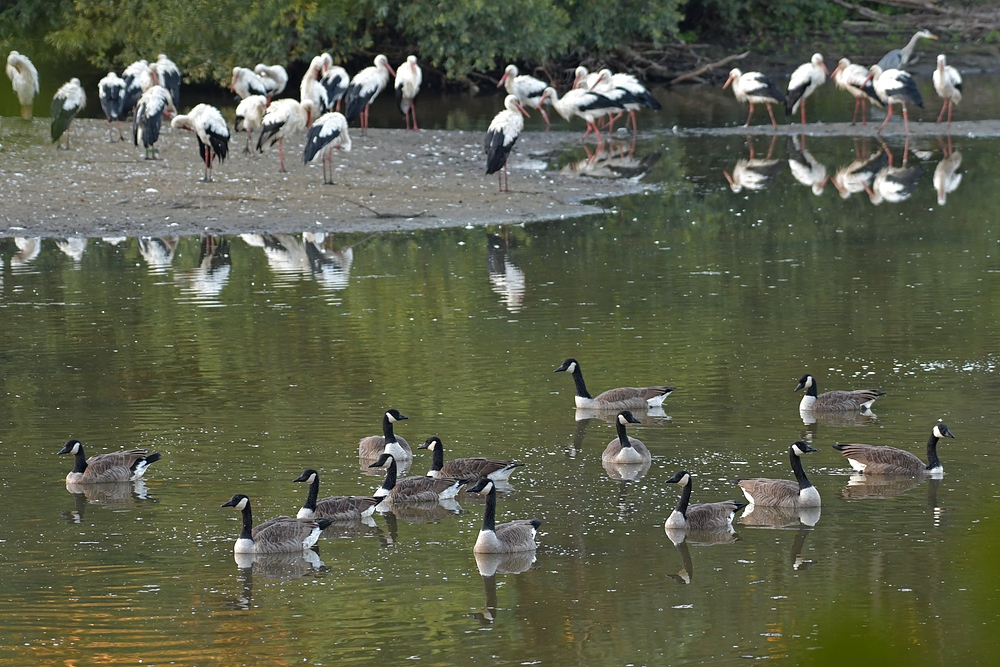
<point>708,68</point>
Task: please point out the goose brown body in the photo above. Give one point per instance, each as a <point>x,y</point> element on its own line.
<point>472,467</point>
<point>622,398</point>
<point>413,490</point>
<point>282,534</point>
<point>835,401</point>
<point>768,492</point>
<point>107,468</point>
<point>880,460</point>
<point>374,446</point>
<point>509,537</point>
<point>624,449</point>
<point>340,509</point>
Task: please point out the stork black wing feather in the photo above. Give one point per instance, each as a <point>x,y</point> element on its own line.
<point>61,118</point>
<point>794,95</point>
<point>355,102</point>
<point>220,145</point>
<point>316,141</point>
<point>496,151</point>
<point>267,132</point>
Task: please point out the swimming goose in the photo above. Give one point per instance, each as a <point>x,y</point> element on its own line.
<point>860,399</point>
<point>110,467</point>
<point>282,534</point>
<point>623,398</point>
<point>341,509</point>
<point>624,449</point>
<point>374,446</point>
<point>703,516</point>
<point>783,492</point>
<point>872,460</point>
<point>506,538</point>
<point>413,489</point>
<point>466,468</point>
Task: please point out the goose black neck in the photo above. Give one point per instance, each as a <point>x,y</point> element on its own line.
<point>800,473</point>
<point>80,461</point>
<point>387,429</point>
<point>390,476</point>
<point>622,437</point>
<point>247,532</point>
<point>932,458</point>
<point>438,457</point>
<point>490,517</point>
<point>811,391</point>
<point>682,506</point>
<point>581,388</point>
<point>313,494</point>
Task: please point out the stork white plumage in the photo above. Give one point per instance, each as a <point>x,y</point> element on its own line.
<point>754,88</point>
<point>67,102</point>
<point>804,81</point>
<point>274,78</point>
<point>407,86</point>
<point>947,178</point>
<point>854,79</point>
<point>582,78</point>
<point>754,174</point>
<point>327,133</point>
<point>213,134</point>
<point>250,116</point>
<point>148,118</point>
<point>859,174</point>
<point>148,78</point>
<point>365,87</point>
<point>528,89</point>
<point>948,86</point>
<point>310,87</point>
<point>805,168</point>
<point>335,81</point>
<point>586,104</point>
<point>246,83</point>
<point>24,79</point>
<point>634,95</point>
<point>284,117</point>
<point>894,86</point>
<point>168,75</point>
<point>111,91</point>
<point>133,91</point>
<point>500,138</point>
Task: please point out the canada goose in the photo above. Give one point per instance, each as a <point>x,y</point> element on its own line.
<point>873,460</point>
<point>282,534</point>
<point>341,509</point>
<point>374,446</point>
<point>833,401</point>
<point>703,516</point>
<point>623,398</point>
<point>466,468</point>
<point>783,492</point>
<point>110,467</point>
<point>508,537</point>
<point>624,449</point>
<point>413,489</point>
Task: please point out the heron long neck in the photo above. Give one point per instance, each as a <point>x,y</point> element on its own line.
<point>390,476</point>
<point>79,461</point>
<point>490,517</point>
<point>581,388</point>
<point>622,437</point>
<point>247,532</point>
<point>800,474</point>
<point>907,50</point>
<point>438,460</point>
<point>932,458</point>
<point>387,429</point>
<point>682,506</point>
<point>313,494</point>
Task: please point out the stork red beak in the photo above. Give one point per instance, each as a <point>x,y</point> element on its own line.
<point>502,79</point>
<point>391,70</point>
<point>835,70</point>
<point>521,109</point>
<point>823,65</point>
<point>726,84</point>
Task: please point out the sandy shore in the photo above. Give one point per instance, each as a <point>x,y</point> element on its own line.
<point>392,180</point>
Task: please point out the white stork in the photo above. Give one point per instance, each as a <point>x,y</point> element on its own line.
<point>24,79</point>
<point>805,80</point>
<point>894,86</point>
<point>805,169</point>
<point>582,78</point>
<point>946,175</point>
<point>407,86</point>
<point>755,173</point>
<point>274,77</point>
<point>364,88</point>
<point>310,87</point>
<point>852,78</point>
<point>133,91</point>
<point>67,102</point>
<point>111,91</point>
<point>528,89</point>
<point>636,95</point>
<point>586,104</point>
<point>335,80</point>
<point>250,116</point>
<point>898,58</point>
<point>328,132</point>
<point>948,86</point>
<point>213,134</point>
<point>246,83</point>
<point>500,137</point>
<point>755,88</point>
<point>859,174</point>
<point>149,112</point>
<point>284,117</point>
<point>169,76</point>
<point>894,184</point>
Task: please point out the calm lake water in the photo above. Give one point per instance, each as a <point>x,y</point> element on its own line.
<point>245,360</point>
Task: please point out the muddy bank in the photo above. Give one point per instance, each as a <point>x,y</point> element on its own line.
<point>392,180</point>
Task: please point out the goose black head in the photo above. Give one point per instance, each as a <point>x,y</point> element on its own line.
<point>239,501</point>
<point>626,417</point>
<point>799,448</point>
<point>805,382</point>
<point>71,447</point>
<point>940,431</point>
<point>307,476</point>
<point>430,443</point>
<point>393,415</point>
<point>483,486</point>
<point>570,365</point>
<point>683,478</point>
<point>383,461</point>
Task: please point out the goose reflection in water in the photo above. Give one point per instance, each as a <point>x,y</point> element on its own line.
<point>805,169</point>
<point>27,250</point>
<point>879,487</point>
<point>841,419</point>
<point>754,174</point>
<point>803,518</point>
<point>422,512</point>
<point>157,252</point>
<point>212,273</point>
<point>946,175</point>
<point>505,278</point>
<point>277,566</point>
<point>894,184</point>
<point>114,496</point>
<point>73,247</point>
<point>858,175</point>
<point>491,565</point>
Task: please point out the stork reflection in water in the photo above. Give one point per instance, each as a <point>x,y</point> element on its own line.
<point>755,173</point>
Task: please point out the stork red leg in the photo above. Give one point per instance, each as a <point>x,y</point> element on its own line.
<point>771,113</point>
<point>749,115</point>
<point>854,118</point>
<point>906,124</point>
<point>943,107</point>
<point>950,105</point>
<point>545,116</point>
<point>887,117</point>
<point>413,113</point>
<point>281,155</point>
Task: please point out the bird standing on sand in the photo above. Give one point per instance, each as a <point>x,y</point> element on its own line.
<point>754,88</point>
<point>274,78</point>
<point>407,85</point>
<point>148,118</point>
<point>365,87</point>
<point>133,90</point>
<point>587,104</point>
<point>169,76</point>
<point>111,91</point>
<point>213,134</point>
<point>284,117</point>
<point>67,102</point>
<point>948,86</point>
<point>852,78</point>
<point>328,132</point>
<point>249,116</point>
<point>500,138</point>
<point>528,89</point>
<point>24,79</point>
<point>246,83</point>
<point>335,81</point>
<point>804,81</point>
<point>894,86</point>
